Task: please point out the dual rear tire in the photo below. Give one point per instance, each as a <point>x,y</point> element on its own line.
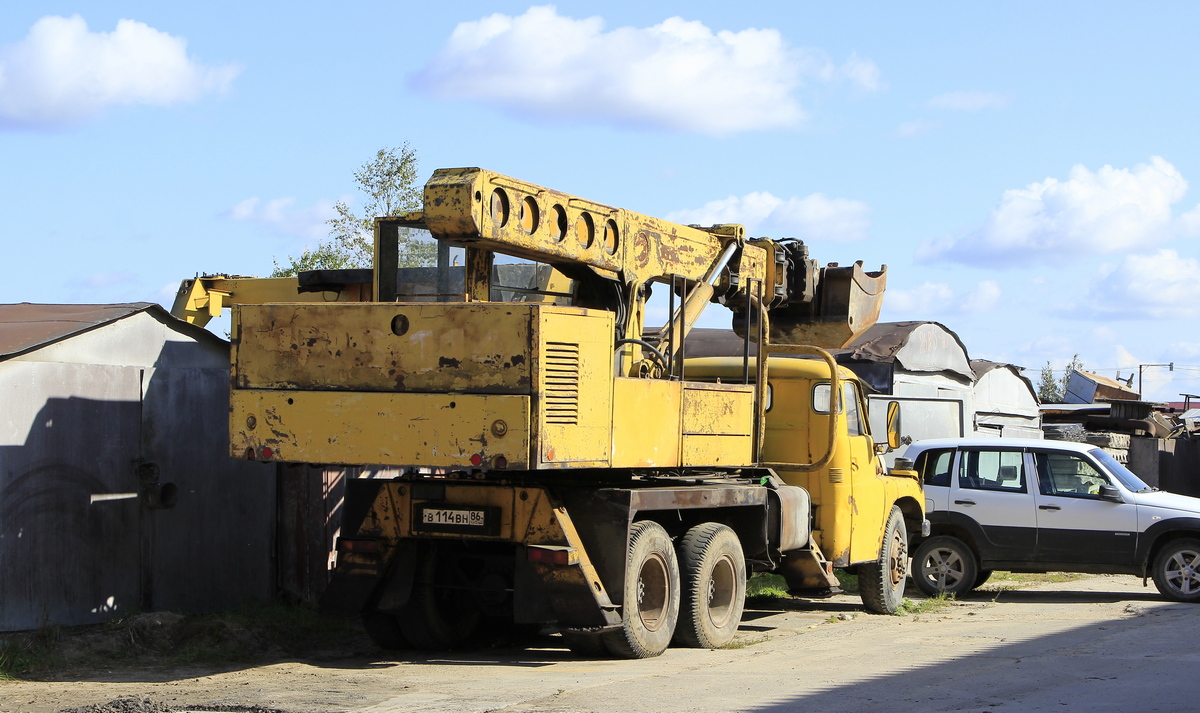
<point>692,595</point>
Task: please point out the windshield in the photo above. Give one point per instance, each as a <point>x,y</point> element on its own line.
<point>1123,474</point>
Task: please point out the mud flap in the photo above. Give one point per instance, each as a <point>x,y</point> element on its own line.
<point>807,570</point>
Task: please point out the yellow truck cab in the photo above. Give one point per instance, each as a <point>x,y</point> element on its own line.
<point>852,495</point>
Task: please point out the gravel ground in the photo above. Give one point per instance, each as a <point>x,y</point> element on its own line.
<point>1095,644</point>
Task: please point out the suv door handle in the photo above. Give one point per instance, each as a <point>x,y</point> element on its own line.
<point>1049,507</point>
<point>964,502</point>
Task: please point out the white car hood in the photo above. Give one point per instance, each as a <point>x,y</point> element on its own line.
<point>1169,501</point>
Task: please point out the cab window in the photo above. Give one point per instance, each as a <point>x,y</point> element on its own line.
<point>934,466</point>
<point>855,425</point>
<point>992,470</point>
<point>1068,474</point>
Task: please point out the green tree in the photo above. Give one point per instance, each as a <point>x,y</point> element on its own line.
<point>1051,390</point>
<point>389,186</point>
<point>1048,391</point>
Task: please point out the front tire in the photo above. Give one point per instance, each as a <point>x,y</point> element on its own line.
<point>945,564</point>
<point>881,584</point>
<point>651,604</point>
<point>713,572</point>
<point>1177,570</point>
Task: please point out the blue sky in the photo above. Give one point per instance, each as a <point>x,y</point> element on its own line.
<point>1028,172</point>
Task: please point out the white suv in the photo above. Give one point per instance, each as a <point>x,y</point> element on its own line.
<point>1041,506</point>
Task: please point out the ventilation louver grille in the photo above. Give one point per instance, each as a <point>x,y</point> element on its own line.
<point>561,370</point>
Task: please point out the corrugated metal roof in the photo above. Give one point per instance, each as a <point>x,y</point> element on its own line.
<point>25,327</point>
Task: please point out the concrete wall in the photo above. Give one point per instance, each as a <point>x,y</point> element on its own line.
<point>1172,464</point>
<point>78,543</point>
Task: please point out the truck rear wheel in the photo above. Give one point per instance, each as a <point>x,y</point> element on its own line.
<point>713,573</point>
<point>384,630</point>
<point>444,610</point>
<point>651,604</point>
<point>881,583</point>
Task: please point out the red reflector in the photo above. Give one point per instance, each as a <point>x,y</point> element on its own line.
<point>544,556</point>
<point>476,459</point>
<point>501,462</point>
<point>267,452</point>
<point>346,545</point>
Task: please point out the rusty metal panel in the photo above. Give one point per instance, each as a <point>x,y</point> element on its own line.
<point>717,496</point>
<point>24,327</point>
<point>723,451</point>
<point>718,409</point>
<point>646,429</point>
<point>435,430</point>
<point>575,377</point>
<point>428,347</point>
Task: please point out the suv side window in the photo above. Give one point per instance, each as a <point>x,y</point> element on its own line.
<point>934,466</point>
<point>992,470</point>
<point>1068,474</point>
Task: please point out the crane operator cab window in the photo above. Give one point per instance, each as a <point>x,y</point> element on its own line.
<point>855,425</point>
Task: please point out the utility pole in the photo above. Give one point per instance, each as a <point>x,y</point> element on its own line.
<point>1170,367</point>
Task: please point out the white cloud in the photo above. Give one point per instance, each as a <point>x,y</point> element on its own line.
<point>1161,285</point>
<point>909,129</point>
<point>677,75</point>
<point>1090,213</point>
<point>279,215</point>
<point>938,299</point>
<point>61,73</point>
<point>813,218</point>
<point>968,101</point>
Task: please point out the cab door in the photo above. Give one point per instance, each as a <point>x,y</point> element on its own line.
<point>1074,525</point>
<point>871,507</point>
<point>992,497</point>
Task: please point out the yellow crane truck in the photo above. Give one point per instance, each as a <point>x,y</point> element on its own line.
<point>562,462</point>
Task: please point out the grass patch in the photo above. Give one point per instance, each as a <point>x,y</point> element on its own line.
<point>26,651</point>
<point>1016,580</point>
<point>764,584</point>
<point>745,643</point>
<point>164,639</point>
<point>923,606</point>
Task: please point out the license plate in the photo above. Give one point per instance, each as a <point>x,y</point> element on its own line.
<point>445,516</point>
<point>480,520</point>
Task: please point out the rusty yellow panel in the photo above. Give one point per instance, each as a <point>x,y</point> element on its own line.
<point>435,430</point>
<point>485,209</point>
<point>723,451</point>
<point>718,409</point>
<point>425,347</point>
<point>646,423</point>
<point>574,395</point>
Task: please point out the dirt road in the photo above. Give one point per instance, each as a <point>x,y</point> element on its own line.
<point>1097,644</point>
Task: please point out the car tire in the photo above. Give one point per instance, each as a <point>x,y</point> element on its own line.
<point>1177,570</point>
<point>981,578</point>
<point>944,564</point>
<point>881,583</point>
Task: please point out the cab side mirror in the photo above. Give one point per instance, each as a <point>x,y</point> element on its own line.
<point>1111,494</point>
<point>893,425</point>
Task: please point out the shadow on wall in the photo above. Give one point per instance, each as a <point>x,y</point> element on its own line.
<point>79,539</point>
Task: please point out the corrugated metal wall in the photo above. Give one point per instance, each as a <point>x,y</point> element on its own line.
<point>78,543</point>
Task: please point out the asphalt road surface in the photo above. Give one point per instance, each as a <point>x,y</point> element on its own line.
<point>1096,644</point>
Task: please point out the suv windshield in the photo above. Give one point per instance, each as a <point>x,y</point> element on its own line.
<point>1123,474</point>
